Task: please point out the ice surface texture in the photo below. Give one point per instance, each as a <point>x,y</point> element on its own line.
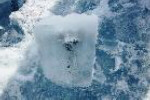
<point>122,64</point>
<point>67,48</point>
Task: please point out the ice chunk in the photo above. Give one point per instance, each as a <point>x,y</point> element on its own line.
<point>67,48</point>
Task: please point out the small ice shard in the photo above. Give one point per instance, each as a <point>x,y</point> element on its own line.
<point>67,48</point>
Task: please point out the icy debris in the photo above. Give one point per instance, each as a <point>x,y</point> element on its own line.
<point>67,48</point>
<point>10,58</point>
<point>1,28</point>
<point>103,10</point>
<point>31,12</point>
<point>9,61</point>
<point>122,85</point>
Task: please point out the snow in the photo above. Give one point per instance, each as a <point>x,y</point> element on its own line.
<point>67,48</point>
<point>103,10</point>
<point>36,13</point>
<point>9,61</point>
<point>145,3</point>
<point>122,85</point>
<point>11,58</point>
<point>1,28</point>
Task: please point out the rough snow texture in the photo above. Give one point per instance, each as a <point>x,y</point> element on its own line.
<point>67,48</point>
<point>122,66</point>
<point>12,58</point>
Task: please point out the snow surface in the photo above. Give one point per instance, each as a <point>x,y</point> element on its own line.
<point>116,76</point>
<point>9,61</point>
<point>11,57</point>
<point>67,48</point>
